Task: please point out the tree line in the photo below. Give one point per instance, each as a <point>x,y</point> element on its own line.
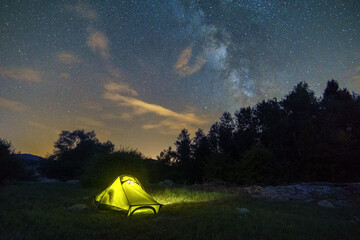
<point>300,138</point>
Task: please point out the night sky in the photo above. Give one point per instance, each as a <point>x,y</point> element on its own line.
<point>137,72</point>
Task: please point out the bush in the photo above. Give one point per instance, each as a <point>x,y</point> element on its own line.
<point>257,166</point>
<point>11,168</point>
<point>218,166</point>
<point>103,169</point>
<point>71,154</point>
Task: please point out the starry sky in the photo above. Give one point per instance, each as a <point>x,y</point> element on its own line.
<point>137,72</point>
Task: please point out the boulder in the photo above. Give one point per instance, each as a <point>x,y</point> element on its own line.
<point>243,210</point>
<point>48,180</point>
<point>326,204</point>
<point>166,182</point>
<point>72,181</point>
<point>77,207</point>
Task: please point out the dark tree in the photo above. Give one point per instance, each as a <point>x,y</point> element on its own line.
<point>200,150</point>
<point>331,91</point>
<point>213,138</point>
<point>72,151</point>
<point>167,157</point>
<point>183,153</point>
<point>11,168</point>
<point>225,130</point>
<point>340,133</point>
<point>300,138</point>
<point>245,134</point>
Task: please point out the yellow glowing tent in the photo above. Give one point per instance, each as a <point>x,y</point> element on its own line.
<point>126,194</point>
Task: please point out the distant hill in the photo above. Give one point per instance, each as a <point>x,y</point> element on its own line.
<point>28,157</point>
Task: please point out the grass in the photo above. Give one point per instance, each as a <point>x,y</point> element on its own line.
<point>40,211</point>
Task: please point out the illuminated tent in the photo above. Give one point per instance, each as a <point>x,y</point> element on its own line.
<point>126,194</point>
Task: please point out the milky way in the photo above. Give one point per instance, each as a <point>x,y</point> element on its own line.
<point>137,72</point>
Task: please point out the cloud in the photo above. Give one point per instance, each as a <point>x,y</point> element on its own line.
<point>68,58</point>
<point>84,11</point>
<point>12,105</point>
<point>22,74</point>
<point>90,122</point>
<point>182,68</point>
<point>99,43</point>
<point>170,126</point>
<point>122,116</point>
<point>120,88</point>
<point>173,120</point>
<point>43,127</point>
<point>93,106</point>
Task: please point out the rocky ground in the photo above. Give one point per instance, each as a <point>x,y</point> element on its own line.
<point>325,194</point>
<point>328,195</point>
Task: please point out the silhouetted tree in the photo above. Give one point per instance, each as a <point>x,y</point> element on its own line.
<point>225,130</point>
<point>200,150</point>
<point>300,138</point>
<point>167,157</point>
<point>72,151</point>
<point>183,153</point>
<point>11,168</point>
<point>213,138</point>
<point>339,128</point>
<point>245,134</point>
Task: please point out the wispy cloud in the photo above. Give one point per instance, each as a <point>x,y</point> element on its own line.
<point>92,106</point>
<point>173,120</point>
<point>170,126</point>
<point>68,57</point>
<point>120,88</point>
<point>99,43</point>
<point>12,105</point>
<point>121,116</point>
<point>182,67</point>
<point>86,12</point>
<point>90,122</point>
<point>42,126</point>
<point>83,11</point>
<point>22,74</point>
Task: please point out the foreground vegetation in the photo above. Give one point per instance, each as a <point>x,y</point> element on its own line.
<point>40,211</point>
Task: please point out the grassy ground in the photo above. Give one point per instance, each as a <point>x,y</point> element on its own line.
<point>40,211</point>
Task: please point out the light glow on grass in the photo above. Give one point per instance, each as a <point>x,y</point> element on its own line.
<point>181,195</point>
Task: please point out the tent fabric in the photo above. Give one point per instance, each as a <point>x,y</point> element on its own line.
<point>126,194</point>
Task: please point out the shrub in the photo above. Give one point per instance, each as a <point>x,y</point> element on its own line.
<point>256,166</point>
<point>103,169</point>
<point>71,154</point>
<point>218,166</point>
<point>11,168</point>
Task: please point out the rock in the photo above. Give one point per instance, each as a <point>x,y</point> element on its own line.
<point>243,210</point>
<point>254,189</point>
<point>166,182</point>
<point>283,198</point>
<point>48,180</point>
<point>77,207</point>
<point>269,192</point>
<point>342,203</point>
<point>326,204</point>
<point>72,181</point>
